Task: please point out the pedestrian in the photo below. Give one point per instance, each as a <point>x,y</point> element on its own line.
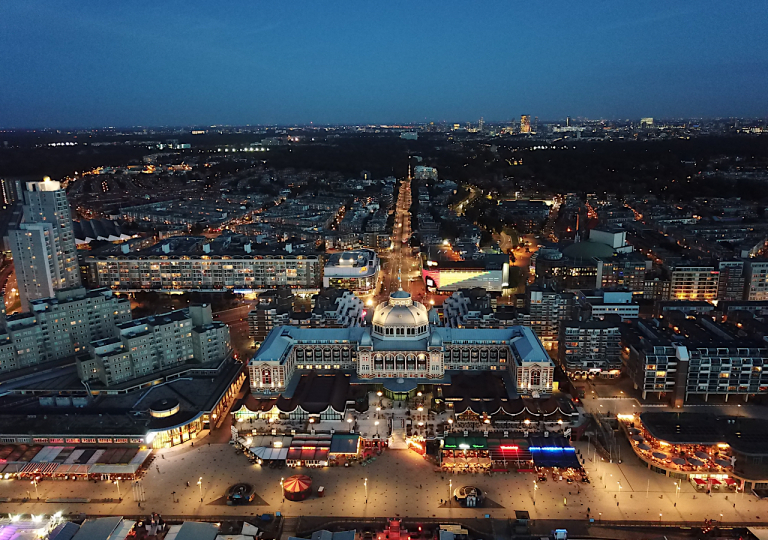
<point>187,483</point>
<point>734,505</point>
<point>675,505</point>
<point>193,444</point>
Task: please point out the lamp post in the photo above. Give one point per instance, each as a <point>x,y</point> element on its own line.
<point>677,489</point>
<point>450,490</point>
<point>376,423</point>
<point>349,421</point>
<point>659,517</point>
<point>282,491</point>
<point>200,485</point>
<point>365,484</point>
<point>37,493</point>
<point>117,483</point>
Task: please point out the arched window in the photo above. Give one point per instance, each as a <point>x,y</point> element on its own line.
<point>535,377</point>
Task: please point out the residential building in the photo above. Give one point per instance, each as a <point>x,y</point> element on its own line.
<point>600,303</point>
<point>693,283</point>
<point>61,327</point>
<point>333,308</point>
<point>43,244</point>
<point>195,264</point>
<point>683,357</point>
<point>591,348</point>
<point>756,280</point>
<point>547,308</point>
<point>730,285</point>
<point>154,344</point>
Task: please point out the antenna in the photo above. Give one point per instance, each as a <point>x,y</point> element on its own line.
<point>399,279</point>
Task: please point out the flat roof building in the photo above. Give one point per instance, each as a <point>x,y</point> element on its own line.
<point>354,270</point>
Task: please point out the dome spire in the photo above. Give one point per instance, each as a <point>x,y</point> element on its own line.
<point>399,279</point>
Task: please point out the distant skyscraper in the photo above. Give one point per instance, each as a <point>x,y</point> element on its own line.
<point>567,121</point>
<point>646,122</point>
<point>480,124</point>
<point>536,124</point>
<point>525,123</point>
<point>12,192</point>
<point>43,244</point>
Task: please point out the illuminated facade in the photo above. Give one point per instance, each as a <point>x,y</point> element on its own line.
<point>694,283</point>
<point>490,273</point>
<point>43,244</point>
<point>353,270</point>
<point>401,343</point>
<point>525,123</point>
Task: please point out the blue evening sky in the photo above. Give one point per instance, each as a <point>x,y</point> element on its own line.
<point>161,62</point>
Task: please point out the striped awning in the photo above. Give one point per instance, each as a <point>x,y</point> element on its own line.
<point>39,468</point>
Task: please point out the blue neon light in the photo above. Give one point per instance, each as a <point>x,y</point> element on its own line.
<point>551,449</point>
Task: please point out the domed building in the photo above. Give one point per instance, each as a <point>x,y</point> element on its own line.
<point>403,347</point>
<point>400,317</point>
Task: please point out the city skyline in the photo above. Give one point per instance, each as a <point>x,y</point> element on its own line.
<point>300,65</point>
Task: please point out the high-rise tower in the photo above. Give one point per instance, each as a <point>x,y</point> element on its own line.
<point>43,244</point>
<point>525,123</point>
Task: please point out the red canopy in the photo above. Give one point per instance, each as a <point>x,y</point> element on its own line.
<point>699,481</point>
<point>730,481</point>
<point>714,481</point>
<point>297,483</point>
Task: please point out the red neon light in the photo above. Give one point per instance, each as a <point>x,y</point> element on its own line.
<point>510,447</point>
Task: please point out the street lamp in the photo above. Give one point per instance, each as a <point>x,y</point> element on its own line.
<point>117,483</point>
<point>376,423</point>
<point>34,481</point>
<point>200,485</point>
<point>450,490</point>
<point>281,488</point>
<point>365,484</point>
<point>349,421</point>
<point>535,488</point>
<point>677,489</point>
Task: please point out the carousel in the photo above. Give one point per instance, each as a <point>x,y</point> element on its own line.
<point>297,487</point>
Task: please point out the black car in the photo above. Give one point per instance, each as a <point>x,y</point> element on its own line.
<point>240,494</point>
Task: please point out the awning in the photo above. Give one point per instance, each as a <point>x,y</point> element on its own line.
<point>104,468</point>
<point>643,446</point>
<point>71,468</point>
<point>659,455</point>
<point>695,462</point>
<point>699,481</point>
<point>723,462</point>
<point>714,481</point>
<point>307,454</point>
<point>730,481</point>
<point>294,453</point>
<point>39,468</point>
<point>703,455</point>
<point>638,438</point>
<point>678,461</point>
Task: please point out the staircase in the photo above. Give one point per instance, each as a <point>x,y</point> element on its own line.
<point>397,439</point>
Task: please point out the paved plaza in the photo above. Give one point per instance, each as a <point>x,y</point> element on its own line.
<point>400,482</point>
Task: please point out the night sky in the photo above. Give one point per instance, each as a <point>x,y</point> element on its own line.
<point>93,63</point>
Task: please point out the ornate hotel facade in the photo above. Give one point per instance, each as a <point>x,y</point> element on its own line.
<point>402,347</point>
